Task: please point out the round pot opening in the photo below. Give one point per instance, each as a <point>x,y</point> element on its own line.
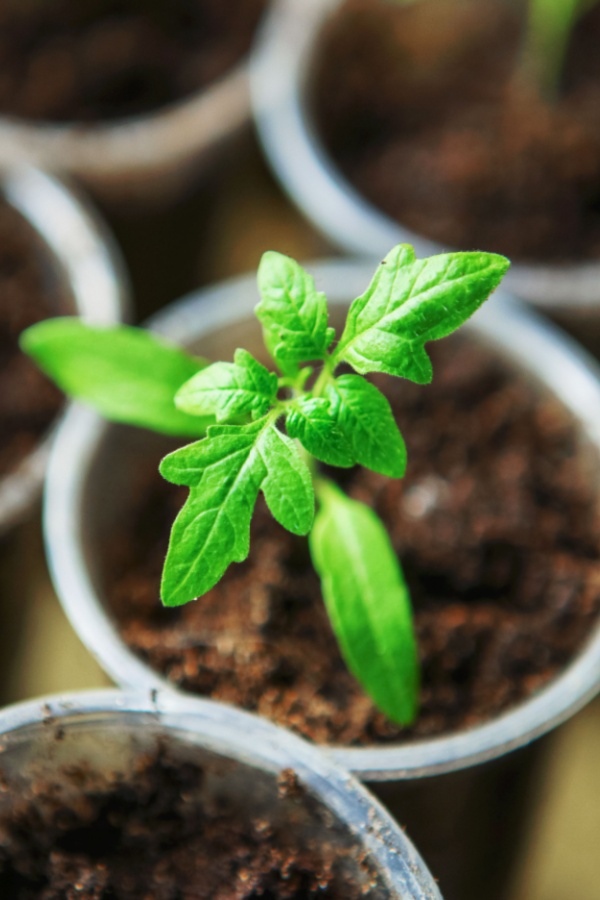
<point>128,99</point>
<point>128,793</point>
<point>292,41</point>
<point>221,321</point>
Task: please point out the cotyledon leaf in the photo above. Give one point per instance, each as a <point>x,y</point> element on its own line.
<point>367,601</point>
<point>411,301</point>
<point>229,390</point>
<point>127,374</point>
<point>225,472</point>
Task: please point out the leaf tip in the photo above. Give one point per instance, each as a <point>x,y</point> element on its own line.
<point>269,260</point>
<point>501,264</point>
<point>169,597</point>
<point>33,339</point>
<point>166,467</point>
<point>406,711</point>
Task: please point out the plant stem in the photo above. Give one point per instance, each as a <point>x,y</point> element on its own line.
<point>548,30</point>
<point>325,376</point>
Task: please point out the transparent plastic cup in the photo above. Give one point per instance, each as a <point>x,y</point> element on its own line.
<point>241,757</point>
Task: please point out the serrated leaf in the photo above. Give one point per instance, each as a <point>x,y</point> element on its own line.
<point>225,472</point>
<point>288,487</point>
<point>292,312</point>
<point>367,601</point>
<point>365,418</point>
<point>127,374</point>
<point>229,390</point>
<point>310,420</point>
<point>411,301</point>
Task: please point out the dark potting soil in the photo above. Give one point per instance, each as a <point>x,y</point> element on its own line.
<point>156,834</point>
<point>498,532</point>
<point>30,290</point>
<point>68,60</point>
<point>420,108</point>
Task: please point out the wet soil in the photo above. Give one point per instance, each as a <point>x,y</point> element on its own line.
<point>429,113</point>
<point>67,60</point>
<point>31,289</point>
<point>496,524</point>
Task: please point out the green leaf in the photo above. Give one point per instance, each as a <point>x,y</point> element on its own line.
<point>225,472</point>
<point>365,417</point>
<point>292,312</point>
<point>410,302</point>
<point>367,601</point>
<point>128,374</point>
<point>310,420</point>
<point>288,487</point>
<point>229,390</point>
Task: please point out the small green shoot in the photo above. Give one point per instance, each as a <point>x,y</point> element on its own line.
<point>548,30</point>
<point>267,431</point>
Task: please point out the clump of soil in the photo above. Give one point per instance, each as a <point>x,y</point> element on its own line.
<point>496,524</point>
<point>422,108</point>
<point>68,60</point>
<point>157,833</point>
<point>30,290</point>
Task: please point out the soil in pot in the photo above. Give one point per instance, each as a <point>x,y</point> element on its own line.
<point>169,831</point>
<point>66,60</point>
<point>420,107</point>
<point>496,524</point>
<point>31,288</point>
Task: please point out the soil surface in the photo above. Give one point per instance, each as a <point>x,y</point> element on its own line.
<point>30,290</point>
<point>424,110</point>
<point>68,60</point>
<point>155,835</point>
<point>497,529</point>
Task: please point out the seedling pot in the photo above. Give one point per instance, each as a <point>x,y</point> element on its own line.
<point>242,758</point>
<point>283,88</point>
<point>145,160</point>
<point>88,264</point>
<point>466,793</point>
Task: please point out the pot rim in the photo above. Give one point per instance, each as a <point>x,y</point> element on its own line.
<point>139,145</point>
<point>537,347</point>
<point>91,267</point>
<point>250,740</point>
<point>286,45</point>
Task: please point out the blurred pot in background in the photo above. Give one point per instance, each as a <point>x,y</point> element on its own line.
<point>124,95</point>
<point>123,795</point>
<point>489,588</point>
<point>390,122</point>
<point>146,104</point>
<point>56,257</point>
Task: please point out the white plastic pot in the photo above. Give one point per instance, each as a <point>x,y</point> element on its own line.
<point>282,90</point>
<point>464,794</point>
<point>142,160</point>
<point>89,264</point>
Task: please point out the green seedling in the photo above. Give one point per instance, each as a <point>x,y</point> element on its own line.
<point>548,30</point>
<point>268,431</point>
